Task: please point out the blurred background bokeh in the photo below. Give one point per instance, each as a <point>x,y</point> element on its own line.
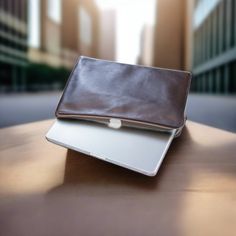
<point>40,41</point>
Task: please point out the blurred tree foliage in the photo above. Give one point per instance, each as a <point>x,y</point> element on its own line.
<point>44,77</point>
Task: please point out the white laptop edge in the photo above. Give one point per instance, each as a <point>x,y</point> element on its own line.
<point>140,170</point>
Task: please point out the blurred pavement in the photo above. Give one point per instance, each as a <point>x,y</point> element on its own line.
<point>214,110</point>
<point>27,107</point>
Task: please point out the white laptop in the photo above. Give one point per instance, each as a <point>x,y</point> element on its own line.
<point>136,149</point>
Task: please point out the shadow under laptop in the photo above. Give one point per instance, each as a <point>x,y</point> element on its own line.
<point>99,197</point>
<point>82,170</point>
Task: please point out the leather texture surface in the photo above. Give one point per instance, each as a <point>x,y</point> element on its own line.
<point>104,89</point>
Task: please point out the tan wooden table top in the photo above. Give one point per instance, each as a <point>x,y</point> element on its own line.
<point>47,190</point>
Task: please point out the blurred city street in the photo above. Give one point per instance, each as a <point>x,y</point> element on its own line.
<point>41,44</point>
<point>214,110</point>
<point>32,63</point>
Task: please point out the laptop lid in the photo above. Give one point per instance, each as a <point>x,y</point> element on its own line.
<point>139,150</point>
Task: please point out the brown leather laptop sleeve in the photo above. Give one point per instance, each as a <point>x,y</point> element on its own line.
<point>137,96</point>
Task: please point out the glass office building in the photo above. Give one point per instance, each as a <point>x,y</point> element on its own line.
<point>214,46</point>
<point>13,44</point>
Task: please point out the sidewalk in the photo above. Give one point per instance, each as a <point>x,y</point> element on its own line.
<point>213,110</point>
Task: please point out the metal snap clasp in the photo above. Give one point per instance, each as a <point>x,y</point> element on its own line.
<point>114,123</point>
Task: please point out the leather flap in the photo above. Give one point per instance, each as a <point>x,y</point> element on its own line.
<point>136,94</point>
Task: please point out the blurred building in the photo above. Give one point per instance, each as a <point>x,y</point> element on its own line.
<point>48,49</point>
<point>198,35</point>
<point>214,51</point>
<point>67,29</point>
<point>146,46</point>
<point>169,36</point>
<point>107,34</point>
<point>44,35</point>
<point>88,17</point>
<point>13,44</point>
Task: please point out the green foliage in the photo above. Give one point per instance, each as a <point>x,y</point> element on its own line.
<point>44,77</point>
